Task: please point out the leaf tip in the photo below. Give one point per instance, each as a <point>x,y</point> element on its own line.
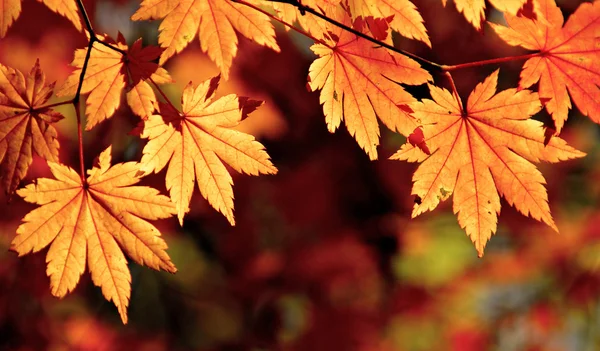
<point>123,314</point>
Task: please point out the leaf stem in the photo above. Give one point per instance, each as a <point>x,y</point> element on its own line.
<point>429,65</point>
<point>66,102</point>
<point>448,68</point>
<point>110,46</point>
<point>77,105</point>
<point>162,93</point>
<point>80,143</point>
<point>77,97</point>
<point>448,76</point>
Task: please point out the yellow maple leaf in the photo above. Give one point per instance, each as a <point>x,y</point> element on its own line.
<point>195,141</point>
<point>474,10</point>
<point>568,60</point>
<point>25,124</point>
<point>96,218</point>
<point>481,152</point>
<point>11,9</point>
<point>405,18</point>
<point>214,20</point>
<point>360,82</point>
<point>109,72</point>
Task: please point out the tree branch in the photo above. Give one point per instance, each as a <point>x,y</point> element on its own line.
<point>112,47</point>
<point>426,64</point>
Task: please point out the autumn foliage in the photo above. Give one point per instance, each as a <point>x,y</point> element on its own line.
<point>328,233</point>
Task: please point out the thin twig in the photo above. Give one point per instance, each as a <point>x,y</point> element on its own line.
<point>76,105</point>
<point>86,19</point>
<point>448,68</point>
<point>429,65</point>
<point>448,76</point>
<point>110,46</point>
<point>93,36</point>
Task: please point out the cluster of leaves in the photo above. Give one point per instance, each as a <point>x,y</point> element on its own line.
<point>476,151</point>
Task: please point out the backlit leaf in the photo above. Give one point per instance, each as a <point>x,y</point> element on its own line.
<point>360,82</point>
<point>474,10</point>
<point>10,10</point>
<point>95,219</point>
<point>25,124</point>
<point>569,57</point>
<point>196,142</point>
<point>109,72</point>
<point>406,19</point>
<point>481,152</point>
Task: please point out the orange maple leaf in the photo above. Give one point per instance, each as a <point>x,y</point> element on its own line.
<point>195,141</point>
<point>474,10</point>
<point>360,82</point>
<point>109,71</point>
<point>25,124</point>
<point>311,23</point>
<point>214,20</point>
<point>480,152</point>
<point>97,218</point>
<point>405,18</point>
<point>568,60</point>
<point>11,9</point>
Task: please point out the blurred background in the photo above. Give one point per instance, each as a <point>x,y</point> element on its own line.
<point>324,255</point>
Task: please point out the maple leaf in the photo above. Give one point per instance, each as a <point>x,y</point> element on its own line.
<point>474,10</point>
<point>11,9</point>
<point>109,72</point>
<point>405,18</point>
<point>481,152</point>
<point>568,58</point>
<point>311,23</point>
<point>25,124</point>
<point>195,141</point>
<point>360,82</point>
<point>97,218</point>
<point>214,20</point>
